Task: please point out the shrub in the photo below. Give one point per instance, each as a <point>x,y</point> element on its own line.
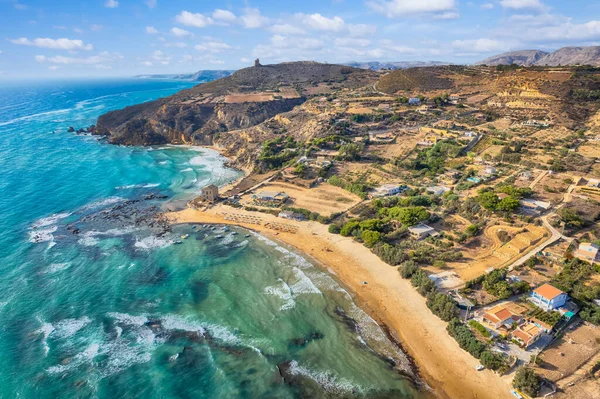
<point>408,268</point>
<point>491,360</point>
<point>370,237</point>
<point>482,330</point>
<point>527,381</point>
<point>442,305</point>
<point>334,229</point>
<point>422,282</point>
<point>465,338</point>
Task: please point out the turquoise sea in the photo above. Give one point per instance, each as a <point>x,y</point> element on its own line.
<point>98,299</point>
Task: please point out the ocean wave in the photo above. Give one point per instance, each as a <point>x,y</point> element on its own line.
<point>42,235</point>
<point>69,327</point>
<point>34,116</point>
<point>127,319</point>
<point>329,381</point>
<point>57,267</point>
<point>49,220</point>
<point>132,186</point>
<point>104,202</point>
<point>284,293</point>
<point>152,242</point>
<point>175,322</point>
<point>304,285</point>
<point>187,170</point>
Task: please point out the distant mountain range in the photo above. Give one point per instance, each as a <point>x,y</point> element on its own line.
<point>376,65</point>
<point>564,56</point>
<point>200,76</point>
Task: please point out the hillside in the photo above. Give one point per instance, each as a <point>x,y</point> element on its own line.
<point>564,56</point>
<point>523,58</point>
<point>573,56</point>
<point>200,76</point>
<point>377,66</point>
<point>241,100</point>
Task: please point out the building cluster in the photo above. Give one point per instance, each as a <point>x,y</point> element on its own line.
<point>517,322</point>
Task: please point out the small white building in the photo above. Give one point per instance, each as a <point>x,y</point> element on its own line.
<point>389,189</point>
<point>489,171</point>
<point>422,231</point>
<point>438,190</point>
<point>593,183</point>
<point>588,252</point>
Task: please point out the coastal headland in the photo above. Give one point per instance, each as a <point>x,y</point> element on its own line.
<point>392,301</point>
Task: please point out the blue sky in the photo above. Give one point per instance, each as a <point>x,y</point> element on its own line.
<point>73,38</point>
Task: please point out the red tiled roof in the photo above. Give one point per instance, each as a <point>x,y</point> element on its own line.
<point>547,291</point>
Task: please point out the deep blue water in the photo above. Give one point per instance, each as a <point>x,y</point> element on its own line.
<point>99,300</point>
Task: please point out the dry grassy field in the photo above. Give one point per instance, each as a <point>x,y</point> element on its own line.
<point>324,199</point>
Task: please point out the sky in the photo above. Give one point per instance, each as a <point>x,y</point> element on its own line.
<point>101,38</point>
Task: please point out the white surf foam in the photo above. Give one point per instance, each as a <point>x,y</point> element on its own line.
<point>127,319</point>
<point>69,327</point>
<point>57,267</point>
<point>152,242</point>
<point>187,170</point>
<point>49,220</point>
<point>329,381</point>
<point>284,293</point>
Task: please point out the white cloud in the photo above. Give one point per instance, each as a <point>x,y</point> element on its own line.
<point>146,63</point>
<point>103,58</point>
<point>151,30</point>
<point>569,31</point>
<point>213,46</point>
<point>351,42</point>
<point>161,57</point>
<point>447,15</point>
<point>480,45</point>
<point>520,4</point>
<point>279,41</point>
<point>252,19</point>
<point>196,20</point>
<point>96,28</point>
<point>245,60</point>
<point>402,8</point>
<point>77,30</point>
<point>53,67</point>
<point>151,3</point>
<point>395,47</point>
<point>55,44</point>
<point>287,29</point>
<point>181,32</point>
<point>360,29</point>
<point>224,16</point>
<point>176,45</point>
<point>487,6</point>
<point>111,4</point>
<point>321,23</point>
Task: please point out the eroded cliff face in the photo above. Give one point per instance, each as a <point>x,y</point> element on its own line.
<point>162,122</point>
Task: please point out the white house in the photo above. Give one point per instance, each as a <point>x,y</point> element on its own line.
<point>548,297</point>
<point>588,252</point>
<point>438,190</point>
<point>421,231</point>
<point>389,189</point>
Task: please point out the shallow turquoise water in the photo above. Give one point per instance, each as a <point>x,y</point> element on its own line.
<point>99,301</point>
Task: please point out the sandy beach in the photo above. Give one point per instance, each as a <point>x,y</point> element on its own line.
<point>389,299</point>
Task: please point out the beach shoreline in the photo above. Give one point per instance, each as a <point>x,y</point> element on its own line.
<point>387,298</point>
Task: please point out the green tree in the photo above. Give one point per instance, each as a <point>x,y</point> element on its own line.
<point>348,228</point>
<point>491,360</point>
<point>370,237</point>
<point>408,268</point>
<point>350,152</point>
<point>527,381</point>
<point>409,216</point>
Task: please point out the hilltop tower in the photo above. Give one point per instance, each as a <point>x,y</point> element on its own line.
<point>257,63</point>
